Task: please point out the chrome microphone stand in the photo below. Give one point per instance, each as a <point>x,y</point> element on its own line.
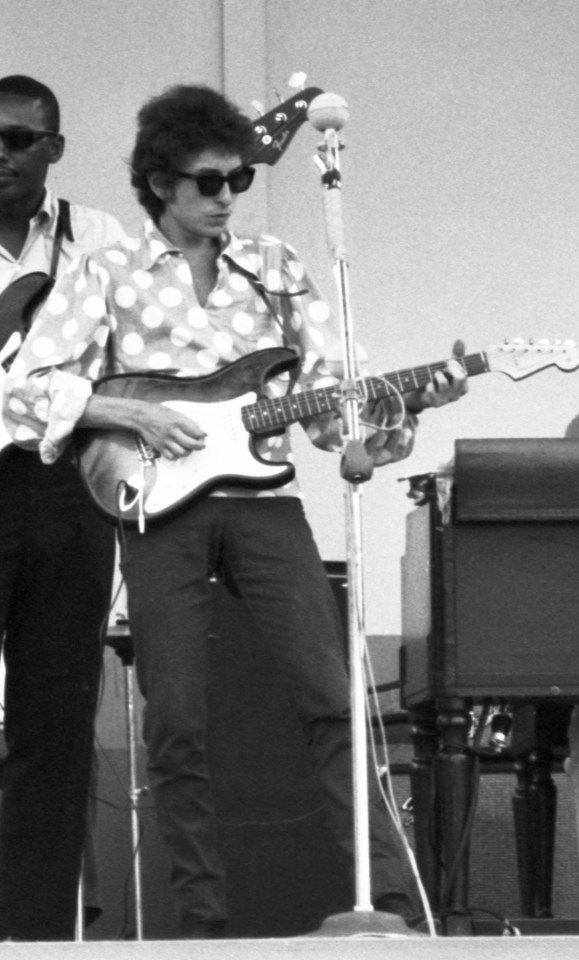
<point>328,113</point>
<point>119,638</point>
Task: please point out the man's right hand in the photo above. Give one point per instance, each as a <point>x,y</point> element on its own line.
<point>167,431</point>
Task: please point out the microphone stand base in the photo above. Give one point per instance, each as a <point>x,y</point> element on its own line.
<point>365,923</point>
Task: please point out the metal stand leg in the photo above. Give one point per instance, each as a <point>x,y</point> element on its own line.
<point>119,638</point>
<point>135,793</point>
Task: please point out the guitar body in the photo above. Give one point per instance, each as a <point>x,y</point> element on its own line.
<point>127,486</point>
<point>19,301</point>
<point>17,304</point>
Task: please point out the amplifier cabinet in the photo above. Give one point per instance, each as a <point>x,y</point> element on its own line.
<point>490,603</point>
<point>490,583</point>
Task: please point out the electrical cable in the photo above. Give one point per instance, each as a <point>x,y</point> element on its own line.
<point>387,793</point>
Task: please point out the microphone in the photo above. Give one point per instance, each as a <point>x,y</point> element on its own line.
<point>328,111</point>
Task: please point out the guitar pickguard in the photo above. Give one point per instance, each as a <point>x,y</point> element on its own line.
<point>227,455</point>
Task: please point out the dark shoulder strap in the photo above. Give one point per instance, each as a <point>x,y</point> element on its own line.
<point>63,229</point>
<point>64,214</point>
<point>264,293</point>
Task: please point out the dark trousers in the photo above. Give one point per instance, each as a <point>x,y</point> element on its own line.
<point>266,549</point>
<point>56,567</point>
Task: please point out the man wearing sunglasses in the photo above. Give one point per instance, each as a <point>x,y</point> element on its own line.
<point>188,298</point>
<point>56,562</point>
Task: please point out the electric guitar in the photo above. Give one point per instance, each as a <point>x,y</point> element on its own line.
<point>19,301</point>
<point>128,481</point>
<point>17,304</point>
<point>8,351</point>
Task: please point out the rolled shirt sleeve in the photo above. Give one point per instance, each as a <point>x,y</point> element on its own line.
<point>49,383</point>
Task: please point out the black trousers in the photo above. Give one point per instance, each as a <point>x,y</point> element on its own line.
<point>56,568</point>
<point>266,549</point>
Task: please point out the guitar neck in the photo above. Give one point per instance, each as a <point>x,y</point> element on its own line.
<point>267,415</point>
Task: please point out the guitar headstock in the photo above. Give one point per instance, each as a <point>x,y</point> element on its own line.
<point>522,358</point>
<point>275,130</point>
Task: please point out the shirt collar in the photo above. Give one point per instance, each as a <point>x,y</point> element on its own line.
<point>48,210</point>
<point>156,245</point>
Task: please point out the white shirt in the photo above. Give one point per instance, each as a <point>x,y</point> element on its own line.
<point>91,229</point>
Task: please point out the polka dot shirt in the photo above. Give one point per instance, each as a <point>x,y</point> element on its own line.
<point>132,307</point>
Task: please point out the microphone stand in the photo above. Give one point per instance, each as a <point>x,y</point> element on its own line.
<point>328,113</point>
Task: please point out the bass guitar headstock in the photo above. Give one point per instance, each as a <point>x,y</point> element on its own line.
<point>275,130</point>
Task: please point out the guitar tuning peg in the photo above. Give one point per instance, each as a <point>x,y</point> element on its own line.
<point>258,107</point>
<point>514,343</point>
<point>297,81</point>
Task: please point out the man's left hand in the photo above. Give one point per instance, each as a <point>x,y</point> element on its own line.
<point>447,385</point>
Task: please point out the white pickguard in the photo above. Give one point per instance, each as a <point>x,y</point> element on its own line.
<point>227,453</point>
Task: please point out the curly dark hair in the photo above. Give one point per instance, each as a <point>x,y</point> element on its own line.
<point>18,85</point>
<point>179,124</point>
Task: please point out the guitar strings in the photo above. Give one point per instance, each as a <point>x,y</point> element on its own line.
<point>391,391</point>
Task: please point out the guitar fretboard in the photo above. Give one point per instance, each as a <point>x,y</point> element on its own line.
<point>267,415</point>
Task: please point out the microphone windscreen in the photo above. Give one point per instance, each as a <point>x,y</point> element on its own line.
<point>328,111</point>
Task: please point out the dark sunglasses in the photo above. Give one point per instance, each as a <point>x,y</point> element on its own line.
<point>23,139</point>
<point>211,184</point>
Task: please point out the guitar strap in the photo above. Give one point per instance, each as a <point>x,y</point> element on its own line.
<point>63,229</point>
<point>266,296</point>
